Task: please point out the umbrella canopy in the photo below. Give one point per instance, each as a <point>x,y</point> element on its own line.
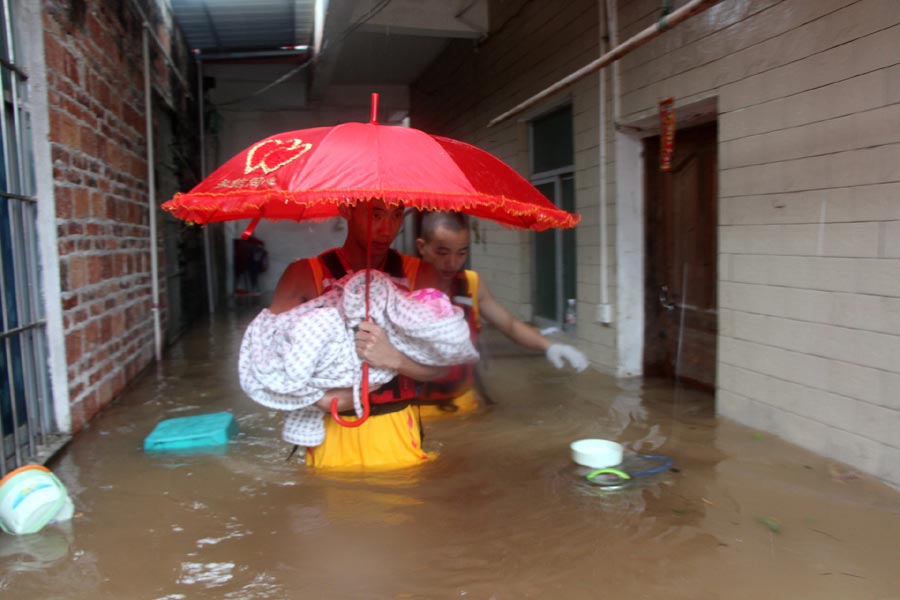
<point>308,173</point>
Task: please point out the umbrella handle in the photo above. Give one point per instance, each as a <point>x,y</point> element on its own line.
<point>364,397</point>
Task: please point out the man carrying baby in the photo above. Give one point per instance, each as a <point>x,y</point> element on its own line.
<point>391,436</point>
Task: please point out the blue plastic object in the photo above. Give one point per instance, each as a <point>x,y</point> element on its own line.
<point>197,431</point>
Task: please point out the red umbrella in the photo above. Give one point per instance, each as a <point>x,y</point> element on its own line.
<point>308,173</point>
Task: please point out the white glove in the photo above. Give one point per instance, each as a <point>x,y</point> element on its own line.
<point>556,353</point>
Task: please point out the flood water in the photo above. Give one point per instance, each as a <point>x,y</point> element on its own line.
<point>503,513</point>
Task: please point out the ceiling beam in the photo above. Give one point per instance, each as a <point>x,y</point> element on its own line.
<point>212,25</point>
<point>337,24</point>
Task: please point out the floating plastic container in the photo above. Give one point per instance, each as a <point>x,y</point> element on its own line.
<point>596,453</point>
<point>30,497</point>
<point>187,433</point>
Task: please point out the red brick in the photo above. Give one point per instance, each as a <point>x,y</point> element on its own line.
<point>118,324</point>
<point>88,139</point>
<point>53,52</point>
<point>91,405</point>
<point>79,316</point>
<point>95,269</point>
<point>73,347</point>
<point>68,303</point>
<point>70,62</point>
<point>76,416</point>
<point>98,205</point>
<point>106,327</point>
<point>82,203</point>
<point>74,110</point>
<point>68,133</point>
<point>64,205</point>
<point>92,336</point>
<point>77,273</point>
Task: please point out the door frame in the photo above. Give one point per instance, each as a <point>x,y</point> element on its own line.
<point>630,225</point>
<point>555,177</point>
<point>695,314</point>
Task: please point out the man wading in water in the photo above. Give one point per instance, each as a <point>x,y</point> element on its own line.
<point>391,437</point>
<point>445,246</point>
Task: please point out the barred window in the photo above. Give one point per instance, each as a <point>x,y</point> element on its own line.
<point>25,399</point>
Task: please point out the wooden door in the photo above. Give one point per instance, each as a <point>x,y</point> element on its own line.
<point>681,226</point>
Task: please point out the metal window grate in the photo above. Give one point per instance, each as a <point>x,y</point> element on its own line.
<point>25,399</point>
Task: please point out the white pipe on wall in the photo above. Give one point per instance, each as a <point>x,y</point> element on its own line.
<point>612,15</point>
<point>207,242</point>
<point>162,49</point>
<point>604,310</point>
<point>151,196</point>
<point>688,10</point>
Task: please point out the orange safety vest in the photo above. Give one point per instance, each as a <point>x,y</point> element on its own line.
<point>329,266</point>
<point>460,378</point>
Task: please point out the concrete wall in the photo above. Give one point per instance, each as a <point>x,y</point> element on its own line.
<point>809,292</point>
<point>473,83</point>
<point>807,96</point>
<point>96,132</point>
<point>245,117</point>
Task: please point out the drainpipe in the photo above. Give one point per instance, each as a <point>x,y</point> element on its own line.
<point>151,196</point>
<point>604,309</point>
<point>612,14</point>
<point>159,45</point>
<point>207,242</point>
<point>664,24</point>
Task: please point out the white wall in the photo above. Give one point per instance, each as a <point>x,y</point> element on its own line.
<point>809,160</point>
<point>247,117</point>
<point>29,28</point>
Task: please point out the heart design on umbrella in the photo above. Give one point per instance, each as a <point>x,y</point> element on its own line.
<point>271,155</point>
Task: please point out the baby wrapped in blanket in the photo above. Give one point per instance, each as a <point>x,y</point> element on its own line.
<point>289,360</point>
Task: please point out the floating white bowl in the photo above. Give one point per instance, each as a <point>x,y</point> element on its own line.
<point>596,453</point>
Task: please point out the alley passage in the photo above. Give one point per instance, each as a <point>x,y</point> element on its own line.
<point>501,514</point>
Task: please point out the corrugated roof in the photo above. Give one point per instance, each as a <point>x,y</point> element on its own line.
<point>244,25</point>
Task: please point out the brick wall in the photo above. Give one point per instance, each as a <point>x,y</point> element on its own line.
<point>93,54</point>
<point>809,105</point>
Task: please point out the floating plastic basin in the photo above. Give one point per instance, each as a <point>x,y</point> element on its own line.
<point>186,433</point>
<point>596,453</point>
<point>30,497</point>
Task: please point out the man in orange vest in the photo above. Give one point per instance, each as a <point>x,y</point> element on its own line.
<point>391,437</point>
<point>445,246</point>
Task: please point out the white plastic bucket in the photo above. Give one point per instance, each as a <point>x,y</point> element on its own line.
<point>30,497</point>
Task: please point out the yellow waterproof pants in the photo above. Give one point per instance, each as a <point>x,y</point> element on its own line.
<point>465,404</point>
<point>384,441</point>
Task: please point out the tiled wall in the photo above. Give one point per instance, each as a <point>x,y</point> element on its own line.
<point>808,99</point>
<point>809,159</point>
<point>531,45</point>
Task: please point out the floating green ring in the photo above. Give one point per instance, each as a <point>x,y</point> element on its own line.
<point>620,474</point>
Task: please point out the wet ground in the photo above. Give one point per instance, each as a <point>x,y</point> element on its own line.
<point>503,513</point>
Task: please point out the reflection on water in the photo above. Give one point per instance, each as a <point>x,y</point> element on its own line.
<point>502,513</point>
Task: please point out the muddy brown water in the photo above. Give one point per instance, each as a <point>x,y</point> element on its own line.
<point>503,513</point>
